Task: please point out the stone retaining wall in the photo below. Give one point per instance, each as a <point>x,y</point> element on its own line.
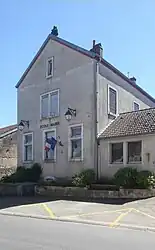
<point>17,189</point>
<point>8,154</point>
<point>84,193</point>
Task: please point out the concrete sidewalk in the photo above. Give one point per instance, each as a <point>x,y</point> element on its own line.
<point>136,214</point>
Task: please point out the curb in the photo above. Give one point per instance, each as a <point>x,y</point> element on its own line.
<point>86,222</point>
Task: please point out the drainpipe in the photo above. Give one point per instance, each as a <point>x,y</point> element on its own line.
<point>96,71</point>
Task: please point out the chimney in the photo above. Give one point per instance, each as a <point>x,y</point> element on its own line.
<point>133,79</point>
<point>94,43</point>
<point>97,48</point>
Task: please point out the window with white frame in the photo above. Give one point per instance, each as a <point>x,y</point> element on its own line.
<point>116,152</point>
<point>134,151</point>
<point>28,147</point>
<point>49,154</point>
<point>49,67</point>
<point>112,101</point>
<point>76,142</point>
<point>136,106</point>
<point>50,104</point>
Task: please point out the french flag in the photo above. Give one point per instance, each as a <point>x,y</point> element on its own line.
<point>47,144</point>
<point>50,143</point>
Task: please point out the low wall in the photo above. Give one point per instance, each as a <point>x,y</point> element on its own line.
<point>26,189</point>
<point>85,193</point>
<point>17,189</point>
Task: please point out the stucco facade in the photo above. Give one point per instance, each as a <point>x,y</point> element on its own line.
<point>82,83</point>
<point>126,96</point>
<point>148,154</point>
<point>73,76</point>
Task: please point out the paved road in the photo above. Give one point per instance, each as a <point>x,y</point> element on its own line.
<point>27,233</point>
<point>137,213</point>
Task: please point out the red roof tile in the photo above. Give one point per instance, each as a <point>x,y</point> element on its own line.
<point>131,124</point>
<point>7,129</point>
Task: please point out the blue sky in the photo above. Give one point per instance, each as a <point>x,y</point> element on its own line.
<point>125,28</point>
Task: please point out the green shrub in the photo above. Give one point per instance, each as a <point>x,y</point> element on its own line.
<point>35,172</point>
<point>22,174</point>
<point>145,179</point>
<point>131,178</point>
<point>126,177</point>
<point>84,178</point>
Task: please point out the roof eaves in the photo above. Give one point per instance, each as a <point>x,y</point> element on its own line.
<point>73,46</point>
<point>8,133</point>
<point>33,61</point>
<point>122,136</point>
<point>119,73</point>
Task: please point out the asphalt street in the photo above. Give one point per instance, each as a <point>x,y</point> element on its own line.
<point>27,233</point>
<point>135,214</point>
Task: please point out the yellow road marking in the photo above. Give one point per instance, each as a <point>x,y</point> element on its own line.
<point>121,216</point>
<point>97,213</point>
<point>48,210</point>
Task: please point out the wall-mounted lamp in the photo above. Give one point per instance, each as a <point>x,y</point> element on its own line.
<point>69,113</point>
<point>22,124</point>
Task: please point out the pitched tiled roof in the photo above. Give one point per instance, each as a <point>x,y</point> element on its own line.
<point>7,129</point>
<point>131,123</point>
<point>85,52</point>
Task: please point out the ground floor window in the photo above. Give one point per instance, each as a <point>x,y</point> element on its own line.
<point>134,151</point>
<point>49,144</point>
<point>28,147</point>
<point>76,142</point>
<point>116,152</point>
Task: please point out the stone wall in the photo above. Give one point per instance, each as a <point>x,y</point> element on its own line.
<point>84,193</point>
<point>17,189</point>
<point>8,153</point>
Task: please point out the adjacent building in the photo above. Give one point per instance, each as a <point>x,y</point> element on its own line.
<point>128,141</point>
<point>8,149</point>
<point>71,94</point>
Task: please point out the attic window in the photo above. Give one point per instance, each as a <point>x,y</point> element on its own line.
<point>49,68</point>
<point>136,106</point>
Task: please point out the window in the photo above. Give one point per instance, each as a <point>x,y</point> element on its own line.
<point>112,101</point>
<point>134,151</point>
<point>49,70</point>
<point>51,154</point>
<point>50,104</point>
<point>44,106</point>
<point>28,147</point>
<point>76,142</point>
<point>117,152</point>
<point>136,106</point>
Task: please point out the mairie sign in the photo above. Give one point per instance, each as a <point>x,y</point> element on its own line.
<point>49,125</point>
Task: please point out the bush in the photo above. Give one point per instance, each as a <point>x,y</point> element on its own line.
<point>131,178</point>
<point>126,177</point>
<point>146,179</point>
<point>24,174</point>
<point>84,178</point>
